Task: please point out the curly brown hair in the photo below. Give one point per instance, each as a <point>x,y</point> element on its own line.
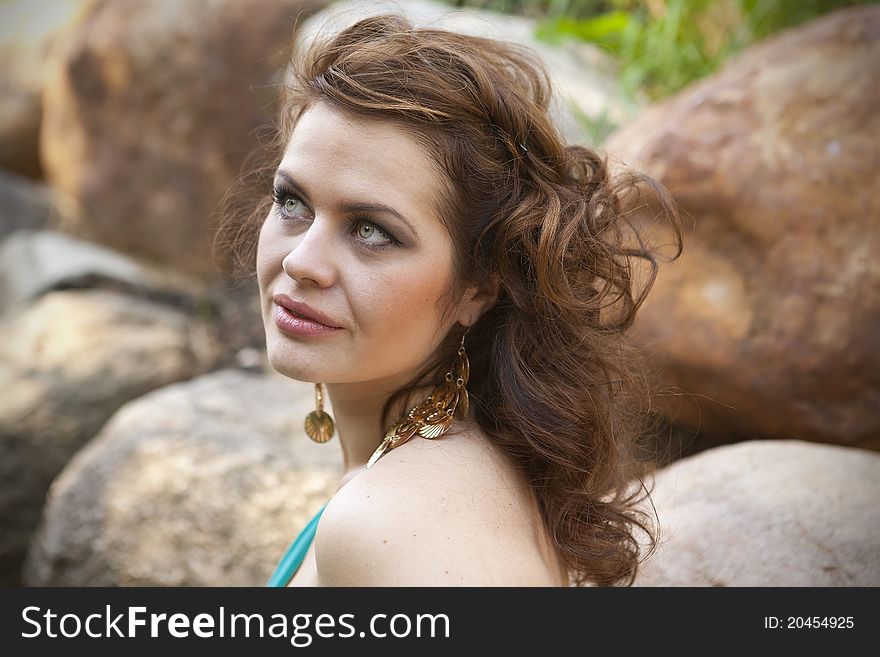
<point>553,381</point>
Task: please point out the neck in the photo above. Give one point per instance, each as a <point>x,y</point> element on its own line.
<point>357,414</point>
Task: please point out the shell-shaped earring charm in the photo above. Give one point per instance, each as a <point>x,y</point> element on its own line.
<point>319,425</point>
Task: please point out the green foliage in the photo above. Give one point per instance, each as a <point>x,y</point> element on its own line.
<point>604,30</point>
<point>663,45</point>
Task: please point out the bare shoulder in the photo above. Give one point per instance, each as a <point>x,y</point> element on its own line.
<point>448,512</point>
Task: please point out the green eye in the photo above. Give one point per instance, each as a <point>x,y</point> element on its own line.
<point>290,204</point>
<point>365,229</point>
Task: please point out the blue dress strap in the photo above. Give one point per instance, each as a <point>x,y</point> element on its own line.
<point>290,562</point>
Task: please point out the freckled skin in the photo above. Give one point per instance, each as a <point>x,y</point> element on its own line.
<point>387,302</point>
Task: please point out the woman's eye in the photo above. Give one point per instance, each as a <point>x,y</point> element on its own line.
<point>288,203</point>
<point>291,205</point>
<point>370,234</point>
<point>366,230</point>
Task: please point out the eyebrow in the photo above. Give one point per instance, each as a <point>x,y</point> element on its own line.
<point>347,207</point>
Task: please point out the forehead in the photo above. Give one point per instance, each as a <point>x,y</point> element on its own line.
<point>360,159</point>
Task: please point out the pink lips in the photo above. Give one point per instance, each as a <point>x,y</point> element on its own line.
<point>298,319</point>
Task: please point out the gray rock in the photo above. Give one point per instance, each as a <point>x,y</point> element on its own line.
<point>34,262</point>
<point>23,204</point>
<point>203,483</point>
<point>768,513</point>
<point>67,364</point>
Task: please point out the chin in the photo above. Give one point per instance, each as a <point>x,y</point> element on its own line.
<point>292,368</point>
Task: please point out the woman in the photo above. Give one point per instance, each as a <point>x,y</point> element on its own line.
<point>457,281</point>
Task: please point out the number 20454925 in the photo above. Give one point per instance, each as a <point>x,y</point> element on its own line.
<point>811,622</point>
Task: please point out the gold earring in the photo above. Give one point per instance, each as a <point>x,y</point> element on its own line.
<point>433,417</point>
<point>319,425</point>
<point>459,401</point>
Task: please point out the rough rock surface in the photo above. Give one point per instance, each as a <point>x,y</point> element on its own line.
<point>768,513</point>
<point>768,323</point>
<point>150,111</point>
<point>67,363</point>
<point>203,483</point>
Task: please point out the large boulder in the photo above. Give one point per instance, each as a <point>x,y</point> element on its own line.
<point>68,361</point>
<point>203,483</point>
<point>768,325</point>
<point>150,112</point>
<point>27,32</point>
<point>768,513</point>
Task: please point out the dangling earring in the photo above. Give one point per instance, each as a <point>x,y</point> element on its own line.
<point>458,402</point>
<point>319,425</point>
<point>433,417</point>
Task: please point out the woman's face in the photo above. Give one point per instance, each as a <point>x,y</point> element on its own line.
<point>378,274</point>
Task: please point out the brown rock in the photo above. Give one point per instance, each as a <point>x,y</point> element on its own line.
<point>770,321</point>
<point>151,111</point>
<point>27,32</point>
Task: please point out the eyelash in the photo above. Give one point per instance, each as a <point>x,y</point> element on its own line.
<point>281,194</point>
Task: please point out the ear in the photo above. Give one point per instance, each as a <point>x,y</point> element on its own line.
<point>476,301</point>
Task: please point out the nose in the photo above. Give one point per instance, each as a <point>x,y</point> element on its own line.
<point>311,260</point>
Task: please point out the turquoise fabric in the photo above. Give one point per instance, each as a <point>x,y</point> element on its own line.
<point>295,554</point>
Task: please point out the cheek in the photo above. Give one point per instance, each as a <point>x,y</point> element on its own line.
<point>265,258</point>
<point>404,304</point>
